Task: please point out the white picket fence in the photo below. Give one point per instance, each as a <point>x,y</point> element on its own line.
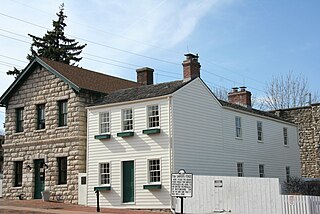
<point>234,195</point>
<point>300,204</point>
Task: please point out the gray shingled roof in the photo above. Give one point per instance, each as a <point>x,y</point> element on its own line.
<point>252,110</point>
<point>142,92</point>
<point>162,89</point>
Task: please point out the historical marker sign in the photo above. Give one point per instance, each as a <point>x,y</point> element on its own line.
<point>181,184</point>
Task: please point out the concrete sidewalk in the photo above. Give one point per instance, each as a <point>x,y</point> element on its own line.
<point>39,206</point>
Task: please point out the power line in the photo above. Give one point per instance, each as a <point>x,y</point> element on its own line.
<point>14,39</point>
<point>92,42</point>
<point>130,39</point>
<point>107,46</point>
<point>232,81</point>
<point>104,31</point>
<point>13,58</point>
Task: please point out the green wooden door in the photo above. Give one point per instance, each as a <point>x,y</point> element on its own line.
<point>39,177</point>
<point>128,181</point>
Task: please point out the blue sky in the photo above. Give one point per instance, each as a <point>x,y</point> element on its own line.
<point>240,42</point>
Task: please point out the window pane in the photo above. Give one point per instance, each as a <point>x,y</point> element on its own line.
<point>19,120</point>
<point>18,173</point>
<point>127,123</point>
<point>62,170</point>
<point>259,130</point>
<point>154,170</point>
<point>261,170</point>
<point>41,116</point>
<point>285,136</point>
<point>63,112</point>
<point>240,169</point>
<point>104,122</point>
<point>238,127</point>
<point>287,173</point>
<point>104,173</point>
<point>153,116</point>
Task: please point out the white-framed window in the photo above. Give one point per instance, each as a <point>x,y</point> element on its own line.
<point>127,119</point>
<point>104,173</point>
<point>240,169</point>
<point>259,131</point>
<point>238,127</point>
<point>104,122</point>
<point>153,116</point>
<point>287,173</point>
<point>261,171</point>
<point>285,136</point>
<point>154,172</point>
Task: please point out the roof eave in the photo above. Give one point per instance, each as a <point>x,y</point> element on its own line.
<point>6,95</point>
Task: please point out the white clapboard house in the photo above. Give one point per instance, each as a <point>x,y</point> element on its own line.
<point>137,137</point>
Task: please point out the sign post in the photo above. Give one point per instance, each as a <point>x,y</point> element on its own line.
<point>181,185</point>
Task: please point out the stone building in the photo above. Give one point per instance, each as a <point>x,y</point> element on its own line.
<point>46,127</point>
<point>1,153</point>
<point>308,120</point>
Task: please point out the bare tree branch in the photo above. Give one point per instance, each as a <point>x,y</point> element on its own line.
<point>288,91</point>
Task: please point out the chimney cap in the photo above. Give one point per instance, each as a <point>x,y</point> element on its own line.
<point>191,56</point>
<point>243,88</point>
<point>144,69</point>
<point>235,89</point>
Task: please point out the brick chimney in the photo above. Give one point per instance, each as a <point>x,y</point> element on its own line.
<point>145,76</point>
<point>241,97</point>
<point>191,67</point>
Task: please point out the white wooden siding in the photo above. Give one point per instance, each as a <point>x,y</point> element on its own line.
<point>139,148</point>
<point>204,141</point>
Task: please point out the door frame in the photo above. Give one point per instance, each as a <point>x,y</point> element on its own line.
<point>35,163</point>
<point>134,182</point>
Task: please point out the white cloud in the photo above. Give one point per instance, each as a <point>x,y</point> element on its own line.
<point>127,25</point>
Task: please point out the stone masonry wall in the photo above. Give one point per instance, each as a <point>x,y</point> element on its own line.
<point>42,87</point>
<point>308,121</point>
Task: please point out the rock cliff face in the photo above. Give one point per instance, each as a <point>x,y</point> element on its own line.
<point>308,120</point>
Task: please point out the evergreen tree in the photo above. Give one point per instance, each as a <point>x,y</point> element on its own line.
<point>54,45</point>
<point>15,72</point>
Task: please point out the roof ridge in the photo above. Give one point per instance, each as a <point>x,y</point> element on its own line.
<point>85,69</point>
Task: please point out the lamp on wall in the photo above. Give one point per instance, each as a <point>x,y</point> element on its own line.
<point>28,167</point>
<point>45,166</point>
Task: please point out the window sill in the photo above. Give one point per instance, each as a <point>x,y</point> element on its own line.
<point>18,133</point>
<point>39,130</point>
<point>239,138</point>
<point>62,185</point>
<point>102,136</point>
<point>125,134</point>
<point>62,127</point>
<point>286,146</point>
<point>152,186</point>
<point>151,131</point>
<point>102,188</point>
<point>260,141</point>
<point>18,187</point>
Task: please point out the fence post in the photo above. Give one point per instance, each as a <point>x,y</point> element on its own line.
<point>98,206</point>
